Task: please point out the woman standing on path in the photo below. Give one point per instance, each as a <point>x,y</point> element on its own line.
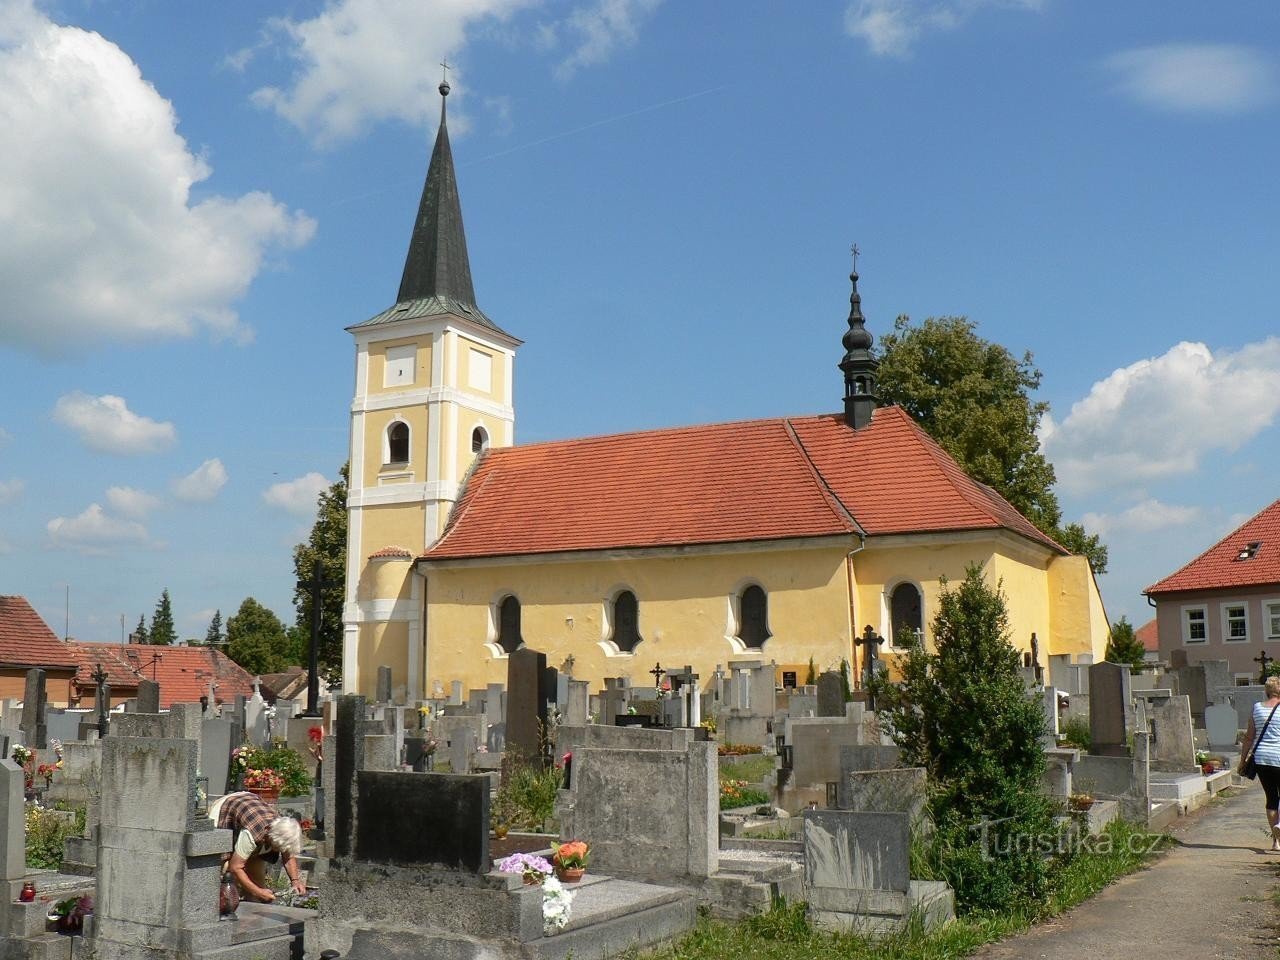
<point>1266,753</point>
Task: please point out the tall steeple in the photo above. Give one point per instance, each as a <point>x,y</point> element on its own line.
<point>859,363</point>
<point>437,264</point>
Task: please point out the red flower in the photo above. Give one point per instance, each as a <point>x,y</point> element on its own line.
<point>315,734</point>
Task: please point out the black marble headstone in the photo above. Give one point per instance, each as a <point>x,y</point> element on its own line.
<point>349,758</point>
<point>408,819</point>
<point>417,753</point>
<point>526,703</point>
<point>550,685</point>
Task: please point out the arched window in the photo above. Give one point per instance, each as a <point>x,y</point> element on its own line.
<point>509,624</point>
<point>398,442</point>
<point>753,617</point>
<point>479,440</point>
<point>626,622</point>
<point>905,616</point>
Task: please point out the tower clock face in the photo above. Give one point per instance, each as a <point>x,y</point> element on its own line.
<point>400,362</point>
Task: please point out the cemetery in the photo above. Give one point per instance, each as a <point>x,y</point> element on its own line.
<point>541,819</point>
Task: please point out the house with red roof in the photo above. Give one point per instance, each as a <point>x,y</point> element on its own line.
<point>1225,603</point>
<point>26,641</point>
<point>778,540</point>
<point>1149,636</point>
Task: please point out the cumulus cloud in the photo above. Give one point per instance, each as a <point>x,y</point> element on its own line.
<point>131,502</point>
<point>365,61</point>
<point>95,531</point>
<point>891,27</point>
<point>1194,78</point>
<point>203,483</point>
<point>1159,417</point>
<point>1145,516</point>
<point>297,496</point>
<point>10,491</point>
<point>107,425</point>
<point>600,28</point>
<point>98,186</point>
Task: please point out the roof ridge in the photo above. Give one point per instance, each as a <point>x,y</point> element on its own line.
<point>839,509</point>
<point>1214,546</point>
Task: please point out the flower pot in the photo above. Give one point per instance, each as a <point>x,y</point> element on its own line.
<point>268,794</point>
<point>500,831</point>
<point>569,874</point>
<point>533,879</point>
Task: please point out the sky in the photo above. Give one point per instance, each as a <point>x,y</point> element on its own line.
<point>196,199</point>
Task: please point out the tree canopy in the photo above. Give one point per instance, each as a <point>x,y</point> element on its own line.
<point>214,634</point>
<point>1124,646</point>
<point>162,631</point>
<point>328,544</point>
<point>975,398</point>
<point>256,639</point>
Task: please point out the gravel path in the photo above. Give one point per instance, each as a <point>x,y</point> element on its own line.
<point>1208,896</point>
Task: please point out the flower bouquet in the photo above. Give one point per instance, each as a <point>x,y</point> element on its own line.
<point>266,783</point>
<point>570,860</point>
<point>556,902</point>
<point>68,915</point>
<point>533,868</point>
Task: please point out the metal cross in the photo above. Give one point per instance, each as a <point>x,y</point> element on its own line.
<point>316,587</point>
<point>870,640</point>
<point>1263,659</point>
<point>99,677</point>
<point>445,63</point>
<point>855,251</point>
<point>658,673</point>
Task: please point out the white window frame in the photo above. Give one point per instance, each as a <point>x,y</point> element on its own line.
<point>392,360</point>
<point>1183,616</point>
<point>1227,618</point>
<point>886,613</point>
<point>1267,604</point>
<point>386,443</point>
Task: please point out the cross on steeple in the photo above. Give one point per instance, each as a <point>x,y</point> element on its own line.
<point>854,251</point>
<point>445,64</point>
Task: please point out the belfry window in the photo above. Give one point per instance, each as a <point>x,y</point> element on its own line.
<point>509,624</point>
<point>626,622</point>
<point>753,617</point>
<point>398,442</point>
<point>479,440</point>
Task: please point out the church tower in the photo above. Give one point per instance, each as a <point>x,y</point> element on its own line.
<point>433,389</point>
<point>858,363</point>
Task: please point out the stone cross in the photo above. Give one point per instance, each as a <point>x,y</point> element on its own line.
<point>316,587</point>
<point>1264,660</point>
<point>99,677</point>
<point>870,642</point>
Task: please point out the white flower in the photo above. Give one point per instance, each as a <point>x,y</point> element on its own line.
<point>556,904</point>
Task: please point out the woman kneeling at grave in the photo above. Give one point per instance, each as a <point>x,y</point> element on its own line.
<point>260,836</point>
<point>1263,736</point>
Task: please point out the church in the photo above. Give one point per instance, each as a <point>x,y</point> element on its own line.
<point>779,540</point>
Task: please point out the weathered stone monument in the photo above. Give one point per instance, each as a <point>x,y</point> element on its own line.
<point>1109,698</point>
<point>33,710</point>
<point>148,696</point>
<point>830,694</point>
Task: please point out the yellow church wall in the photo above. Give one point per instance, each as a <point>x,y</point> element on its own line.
<point>468,420</point>
<point>376,423</point>
<point>378,363</point>
<point>684,613</point>
<point>1079,619</point>
<point>1026,590</point>
<point>386,580</point>
<point>385,525</point>
<point>383,644</point>
<point>462,369</point>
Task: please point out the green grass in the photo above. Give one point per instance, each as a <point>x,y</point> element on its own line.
<point>785,933</point>
<point>752,769</point>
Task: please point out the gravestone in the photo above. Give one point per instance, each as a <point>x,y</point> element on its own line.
<point>526,703</point>
<point>902,790</point>
<point>1193,684</point>
<point>215,753</point>
<point>383,690</point>
<point>455,693</point>
<point>495,738</point>
<point>1049,703</point>
<point>449,814</point>
<point>255,717</point>
<point>13,825</point>
<point>459,749</point>
<point>851,851</point>
<point>148,696</point>
<point>1218,680</point>
<point>1173,745</point>
<point>816,744</point>
<point>33,710</point>
<point>830,694</point>
<point>1109,698</point>
<point>1220,724</point>
<point>348,760</point>
<point>1243,699</point>
<point>63,725</point>
<point>418,753</point>
<point>867,757</point>
<point>577,708</point>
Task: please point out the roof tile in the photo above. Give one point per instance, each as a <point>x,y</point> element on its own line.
<point>1219,567</point>
<point>26,640</point>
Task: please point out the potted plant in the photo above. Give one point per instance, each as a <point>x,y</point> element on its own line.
<point>570,860</point>
<point>1080,802</point>
<point>68,915</point>
<point>265,783</point>
<point>531,867</point>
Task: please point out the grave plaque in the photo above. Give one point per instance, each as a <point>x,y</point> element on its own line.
<point>408,819</point>
<point>885,791</point>
<point>830,694</point>
<point>148,696</point>
<point>1108,709</point>
<point>383,692</point>
<point>526,702</point>
<point>857,851</point>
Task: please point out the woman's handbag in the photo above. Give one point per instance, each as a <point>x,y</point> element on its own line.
<point>1248,769</point>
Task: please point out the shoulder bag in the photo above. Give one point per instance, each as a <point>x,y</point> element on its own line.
<point>1248,769</point>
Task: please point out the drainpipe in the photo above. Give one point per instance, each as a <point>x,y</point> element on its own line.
<point>853,619</point>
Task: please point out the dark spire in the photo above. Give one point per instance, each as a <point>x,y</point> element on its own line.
<point>859,363</point>
<point>437,264</point>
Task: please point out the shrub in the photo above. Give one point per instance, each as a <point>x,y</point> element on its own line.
<point>965,715</point>
<point>47,830</point>
<point>527,797</point>
<point>738,749</point>
<point>1075,733</point>
<point>736,793</point>
<point>283,759</point>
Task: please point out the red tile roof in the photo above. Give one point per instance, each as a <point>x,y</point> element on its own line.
<point>1219,567</point>
<point>1148,636</point>
<point>720,483</point>
<point>89,655</point>
<point>26,640</point>
<point>182,672</point>
<point>392,553</point>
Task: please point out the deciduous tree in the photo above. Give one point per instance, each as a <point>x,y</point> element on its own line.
<point>256,639</point>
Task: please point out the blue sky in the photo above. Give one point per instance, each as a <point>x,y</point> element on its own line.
<point>659,197</point>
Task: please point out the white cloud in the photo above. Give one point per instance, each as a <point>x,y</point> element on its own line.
<point>201,484</point>
<point>131,502</point>
<point>10,491</point>
<point>891,27</point>
<point>364,61</point>
<point>297,496</point>
<point>94,531</point>
<point>98,186</point>
<point>1159,417</point>
<point>106,424</point>
<point>1195,78</point>
<point>601,28</point>
<point>1144,517</point>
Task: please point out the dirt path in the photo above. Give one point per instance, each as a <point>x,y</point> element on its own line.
<point>1209,896</point>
